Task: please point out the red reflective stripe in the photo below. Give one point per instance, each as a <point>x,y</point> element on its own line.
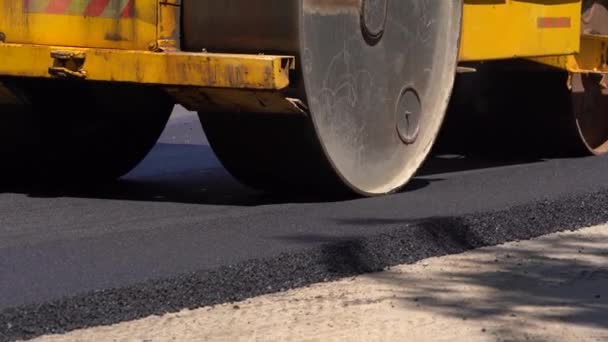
<point>58,6</point>
<point>127,12</point>
<point>554,22</point>
<point>95,8</point>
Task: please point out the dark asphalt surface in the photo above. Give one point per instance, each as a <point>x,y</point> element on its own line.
<point>178,232</point>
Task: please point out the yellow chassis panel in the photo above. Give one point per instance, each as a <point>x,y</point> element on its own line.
<point>504,29</point>
<point>137,33</point>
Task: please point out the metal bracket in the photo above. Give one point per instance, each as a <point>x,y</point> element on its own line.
<point>168,27</point>
<point>68,64</point>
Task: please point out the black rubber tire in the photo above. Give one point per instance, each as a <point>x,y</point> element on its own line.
<point>507,111</point>
<point>80,132</point>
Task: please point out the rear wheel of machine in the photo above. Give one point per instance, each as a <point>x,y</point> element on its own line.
<point>376,77</point>
<point>81,132</point>
<point>590,92</point>
<point>521,109</point>
<point>588,114</point>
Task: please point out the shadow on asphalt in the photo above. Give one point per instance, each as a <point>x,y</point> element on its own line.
<point>546,276</point>
<point>191,174</point>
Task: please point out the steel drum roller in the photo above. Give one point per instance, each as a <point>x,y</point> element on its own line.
<point>375,75</point>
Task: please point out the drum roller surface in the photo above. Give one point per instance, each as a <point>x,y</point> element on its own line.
<point>375,76</point>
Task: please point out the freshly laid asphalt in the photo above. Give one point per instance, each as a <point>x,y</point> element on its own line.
<point>178,232</point>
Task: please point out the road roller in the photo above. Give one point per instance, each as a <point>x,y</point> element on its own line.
<point>316,96</point>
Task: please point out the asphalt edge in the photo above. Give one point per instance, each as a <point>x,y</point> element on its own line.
<point>334,260</point>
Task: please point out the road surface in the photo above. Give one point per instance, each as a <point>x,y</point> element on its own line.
<point>178,232</point>
<point>552,288</point>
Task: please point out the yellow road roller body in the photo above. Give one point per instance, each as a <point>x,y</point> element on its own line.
<point>122,33</point>
<point>310,95</point>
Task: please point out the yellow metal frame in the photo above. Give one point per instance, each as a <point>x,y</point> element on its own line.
<point>147,67</point>
<point>143,49</point>
<point>590,59</point>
